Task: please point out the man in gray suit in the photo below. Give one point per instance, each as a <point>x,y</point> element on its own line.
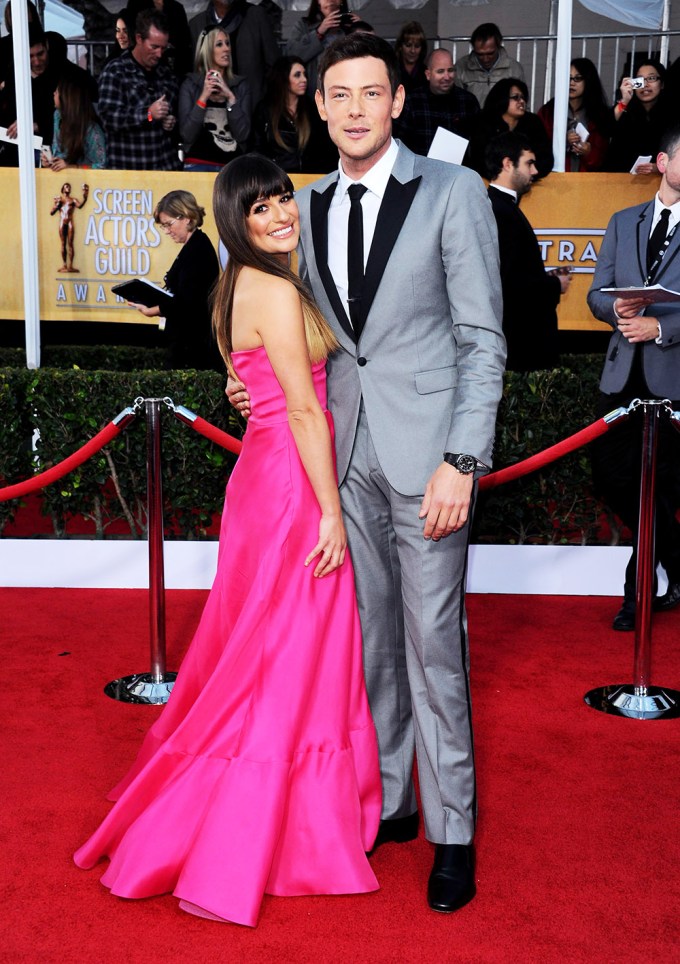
<point>642,247</point>
<point>413,391</point>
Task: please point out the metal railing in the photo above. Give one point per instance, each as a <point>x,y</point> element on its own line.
<point>612,54</point>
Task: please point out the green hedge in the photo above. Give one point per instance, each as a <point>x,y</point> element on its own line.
<point>70,405</point>
<point>112,358</point>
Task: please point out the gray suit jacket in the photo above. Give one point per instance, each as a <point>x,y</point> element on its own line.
<point>429,360</point>
<point>621,263</point>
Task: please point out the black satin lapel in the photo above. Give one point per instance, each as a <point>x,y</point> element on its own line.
<point>318,217</point>
<point>396,204</point>
<point>642,241</point>
<point>670,255</point>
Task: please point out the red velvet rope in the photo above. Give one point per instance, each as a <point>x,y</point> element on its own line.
<point>62,468</point>
<point>232,444</point>
<point>216,435</point>
<point>551,454</point>
<point>487,482</point>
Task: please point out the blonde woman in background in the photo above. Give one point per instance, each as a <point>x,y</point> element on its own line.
<point>214,106</point>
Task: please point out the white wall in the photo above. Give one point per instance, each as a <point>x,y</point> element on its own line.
<point>123,564</point>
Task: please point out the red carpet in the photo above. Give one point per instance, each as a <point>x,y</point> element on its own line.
<point>577,846</point>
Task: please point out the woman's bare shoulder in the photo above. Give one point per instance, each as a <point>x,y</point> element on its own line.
<point>253,278</point>
<point>261,302</point>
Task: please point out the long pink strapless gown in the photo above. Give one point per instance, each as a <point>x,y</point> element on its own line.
<point>261,775</point>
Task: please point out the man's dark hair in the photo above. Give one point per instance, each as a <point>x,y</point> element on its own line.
<point>36,35</point>
<point>670,140</point>
<point>146,19</point>
<point>357,45</point>
<point>510,145</point>
<point>486,31</point>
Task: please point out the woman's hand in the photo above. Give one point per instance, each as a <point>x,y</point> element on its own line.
<point>215,88</point>
<point>331,22</point>
<point>331,546</point>
<point>58,164</point>
<point>149,312</point>
<point>577,146</point>
<point>626,90</point>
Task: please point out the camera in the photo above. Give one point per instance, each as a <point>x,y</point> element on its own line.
<point>214,74</point>
<point>637,83</point>
<point>345,18</point>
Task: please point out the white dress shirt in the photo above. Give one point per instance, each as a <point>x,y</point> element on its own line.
<point>659,207</point>
<point>375,180</point>
<point>673,219</point>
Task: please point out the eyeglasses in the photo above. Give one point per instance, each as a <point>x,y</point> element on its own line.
<point>166,225</point>
<point>575,79</point>
<point>518,97</point>
<point>652,79</point>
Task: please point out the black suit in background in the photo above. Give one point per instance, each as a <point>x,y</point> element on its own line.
<point>187,327</point>
<point>530,295</point>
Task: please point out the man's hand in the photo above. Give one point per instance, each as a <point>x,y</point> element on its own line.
<point>640,328</point>
<point>159,109</point>
<point>238,396</point>
<point>630,307</point>
<point>12,130</point>
<point>446,502</point>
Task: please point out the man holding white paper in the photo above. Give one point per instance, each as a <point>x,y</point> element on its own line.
<point>439,104</point>
<point>640,249</point>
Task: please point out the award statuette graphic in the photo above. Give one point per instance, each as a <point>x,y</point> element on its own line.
<point>66,205</point>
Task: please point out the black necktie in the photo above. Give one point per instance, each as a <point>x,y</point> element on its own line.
<point>355,255</point>
<point>656,245</point>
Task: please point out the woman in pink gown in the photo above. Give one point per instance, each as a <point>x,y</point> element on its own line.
<point>261,775</point>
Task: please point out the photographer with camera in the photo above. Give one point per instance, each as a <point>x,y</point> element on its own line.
<point>326,20</point>
<point>643,113</point>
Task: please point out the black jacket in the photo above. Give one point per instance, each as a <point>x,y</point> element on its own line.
<point>187,327</point>
<point>530,295</point>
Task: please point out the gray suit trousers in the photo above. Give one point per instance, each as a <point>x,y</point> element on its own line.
<point>411,596</point>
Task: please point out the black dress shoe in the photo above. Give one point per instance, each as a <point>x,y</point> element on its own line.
<point>670,599</point>
<point>624,621</point>
<point>399,830</point>
<point>452,881</point>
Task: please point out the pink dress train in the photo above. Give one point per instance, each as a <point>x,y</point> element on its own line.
<point>261,775</point>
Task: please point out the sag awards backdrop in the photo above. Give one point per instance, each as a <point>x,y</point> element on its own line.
<point>96,229</point>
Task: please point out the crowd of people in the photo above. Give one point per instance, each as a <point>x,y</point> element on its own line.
<point>194,95</point>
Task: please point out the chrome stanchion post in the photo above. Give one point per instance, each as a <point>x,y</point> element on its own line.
<point>639,700</point>
<point>644,575</point>
<point>154,488</point>
<point>155,686</point>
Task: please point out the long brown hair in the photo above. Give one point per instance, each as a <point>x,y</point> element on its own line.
<point>238,185</point>
<point>77,116</point>
<point>276,99</point>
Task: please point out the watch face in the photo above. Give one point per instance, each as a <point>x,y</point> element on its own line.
<point>466,464</point>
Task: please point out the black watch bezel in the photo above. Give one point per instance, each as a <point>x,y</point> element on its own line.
<point>465,464</point>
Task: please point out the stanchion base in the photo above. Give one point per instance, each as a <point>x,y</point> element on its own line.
<point>625,699</point>
<point>141,688</point>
